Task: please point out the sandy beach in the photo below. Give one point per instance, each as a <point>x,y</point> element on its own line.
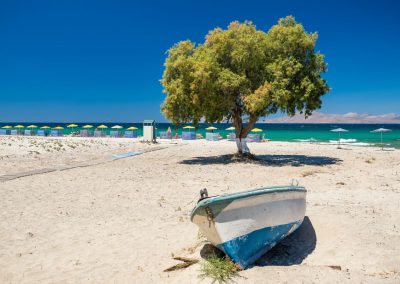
<point>71,213</point>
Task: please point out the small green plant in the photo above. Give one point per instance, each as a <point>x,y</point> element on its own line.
<point>220,269</point>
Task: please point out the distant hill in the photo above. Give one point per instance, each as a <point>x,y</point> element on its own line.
<point>350,117</point>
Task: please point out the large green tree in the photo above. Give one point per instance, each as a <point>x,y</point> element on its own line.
<point>241,74</point>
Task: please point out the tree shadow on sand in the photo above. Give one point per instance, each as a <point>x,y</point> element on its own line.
<point>290,251</point>
<point>267,160</point>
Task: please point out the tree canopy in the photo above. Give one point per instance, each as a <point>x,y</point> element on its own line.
<point>244,73</point>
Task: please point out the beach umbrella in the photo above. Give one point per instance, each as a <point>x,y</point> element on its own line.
<point>31,126</point>
<point>381,131</point>
<point>189,127</point>
<point>102,126</point>
<point>132,128</point>
<point>211,128</point>
<point>231,128</point>
<point>45,127</point>
<point>256,130</point>
<point>7,127</point>
<point>58,128</point>
<point>117,127</point>
<point>72,125</point>
<point>339,130</point>
<point>87,126</point>
<point>19,126</point>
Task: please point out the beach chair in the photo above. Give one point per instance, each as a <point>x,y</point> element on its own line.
<point>231,136</point>
<point>30,132</point>
<point>5,131</point>
<point>253,138</point>
<point>56,133</point>
<point>188,136</point>
<point>116,133</point>
<point>85,133</point>
<point>99,133</point>
<point>165,135</point>
<point>212,136</point>
<point>130,134</point>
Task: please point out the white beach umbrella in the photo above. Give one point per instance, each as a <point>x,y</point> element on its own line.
<point>381,131</point>
<point>339,130</point>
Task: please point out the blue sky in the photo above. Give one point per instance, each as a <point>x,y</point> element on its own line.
<point>102,60</point>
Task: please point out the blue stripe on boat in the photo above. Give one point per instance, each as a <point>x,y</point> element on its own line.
<point>246,249</point>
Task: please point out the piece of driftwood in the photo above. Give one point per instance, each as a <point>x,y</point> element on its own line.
<point>186,263</point>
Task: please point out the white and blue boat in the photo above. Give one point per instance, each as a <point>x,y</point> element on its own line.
<point>245,225</point>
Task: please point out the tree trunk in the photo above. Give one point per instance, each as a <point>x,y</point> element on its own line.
<point>241,133</point>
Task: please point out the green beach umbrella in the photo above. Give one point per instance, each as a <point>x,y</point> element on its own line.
<point>132,128</point>
<point>31,126</point>
<point>19,126</point>
<point>7,127</point>
<point>87,126</point>
<point>256,130</point>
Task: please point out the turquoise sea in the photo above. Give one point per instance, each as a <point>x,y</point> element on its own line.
<point>359,134</point>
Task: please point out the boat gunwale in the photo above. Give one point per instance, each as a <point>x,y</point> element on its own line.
<point>244,194</point>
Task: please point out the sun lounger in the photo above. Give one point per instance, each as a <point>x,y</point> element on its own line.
<point>165,135</point>
<point>130,134</point>
<point>86,133</point>
<point>253,138</point>
<point>42,132</point>
<point>57,133</point>
<point>116,133</point>
<point>188,136</point>
<point>99,133</point>
<point>30,132</point>
<point>212,136</point>
<point>5,131</point>
<point>231,137</point>
<point>17,132</point>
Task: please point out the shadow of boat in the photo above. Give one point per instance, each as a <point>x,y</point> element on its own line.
<point>290,251</point>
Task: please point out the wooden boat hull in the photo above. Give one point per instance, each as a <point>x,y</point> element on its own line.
<point>246,225</point>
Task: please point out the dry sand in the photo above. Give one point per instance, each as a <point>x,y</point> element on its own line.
<point>92,219</point>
